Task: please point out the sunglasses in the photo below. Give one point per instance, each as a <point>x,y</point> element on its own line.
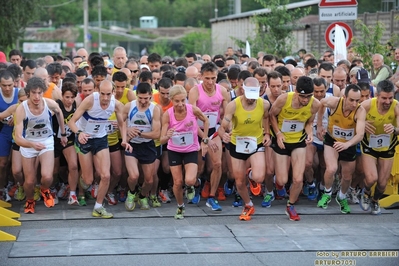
<point>134,71</point>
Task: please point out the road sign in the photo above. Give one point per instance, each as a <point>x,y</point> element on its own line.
<point>335,10</point>
<point>336,3</point>
<point>330,34</point>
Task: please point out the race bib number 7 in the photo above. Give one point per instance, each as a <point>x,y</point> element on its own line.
<point>246,145</point>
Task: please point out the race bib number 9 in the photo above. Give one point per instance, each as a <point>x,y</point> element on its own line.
<point>379,141</point>
<point>183,138</point>
<point>212,118</point>
<point>292,126</point>
<point>95,126</point>
<point>341,133</point>
<point>246,145</point>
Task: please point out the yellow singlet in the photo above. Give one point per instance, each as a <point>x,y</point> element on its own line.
<point>247,125</point>
<point>342,128</point>
<point>113,138</point>
<point>380,141</point>
<point>291,121</point>
<point>124,98</point>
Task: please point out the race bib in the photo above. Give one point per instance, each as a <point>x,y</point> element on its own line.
<point>183,138</point>
<point>95,126</point>
<point>38,133</point>
<point>68,131</point>
<point>246,145</point>
<point>379,141</point>
<point>292,126</point>
<point>342,133</point>
<point>212,118</point>
<point>110,127</point>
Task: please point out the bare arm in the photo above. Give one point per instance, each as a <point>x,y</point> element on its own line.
<point>131,96</point>
<point>18,129</point>
<point>9,111</point>
<point>309,123</point>
<point>193,96</point>
<point>166,132</point>
<point>224,129</point>
<point>275,110</point>
<point>156,126</point>
<point>86,104</point>
<point>197,112</point>
<point>360,125</point>
<point>266,124</point>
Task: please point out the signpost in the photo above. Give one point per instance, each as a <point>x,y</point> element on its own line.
<point>330,34</point>
<point>335,10</point>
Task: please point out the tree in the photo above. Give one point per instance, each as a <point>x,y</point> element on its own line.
<point>14,17</point>
<point>197,42</point>
<point>273,29</point>
<point>370,43</point>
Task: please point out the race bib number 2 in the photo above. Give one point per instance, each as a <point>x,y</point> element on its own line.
<point>95,126</point>
<point>246,145</point>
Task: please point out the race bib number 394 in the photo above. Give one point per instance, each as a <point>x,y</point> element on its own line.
<point>342,133</point>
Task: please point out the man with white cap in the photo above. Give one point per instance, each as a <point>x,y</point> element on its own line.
<point>291,119</point>
<point>250,133</point>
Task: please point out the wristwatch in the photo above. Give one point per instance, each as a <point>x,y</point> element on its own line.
<point>205,140</point>
<point>63,134</point>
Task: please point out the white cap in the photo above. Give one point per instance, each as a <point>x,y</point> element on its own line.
<point>145,66</point>
<point>251,93</point>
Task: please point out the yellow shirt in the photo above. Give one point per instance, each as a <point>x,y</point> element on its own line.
<point>292,121</point>
<point>113,138</point>
<point>247,125</point>
<point>124,98</point>
<point>380,141</point>
<point>339,127</point>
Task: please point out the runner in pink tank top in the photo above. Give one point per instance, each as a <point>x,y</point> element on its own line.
<point>211,99</point>
<point>179,130</point>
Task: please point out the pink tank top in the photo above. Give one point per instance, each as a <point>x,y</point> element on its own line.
<point>210,105</point>
<point>185,137</point>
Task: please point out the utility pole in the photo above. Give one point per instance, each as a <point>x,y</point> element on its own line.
<point>99,27</point>
<point>86,24</point>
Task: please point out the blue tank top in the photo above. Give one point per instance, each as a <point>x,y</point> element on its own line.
<point>6,129</point>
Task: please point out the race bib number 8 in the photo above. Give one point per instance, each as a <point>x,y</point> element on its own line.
<point>212,118</point>
<point>95,126</point>
<point>341,133</point>
<point>292,126</point>
<point>183,138</point>
<point>246,145</point>
<point>379,141</point>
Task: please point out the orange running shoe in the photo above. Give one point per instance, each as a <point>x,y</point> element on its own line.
<point>12,190</point>
<point>247,212</point>
<point>206,190</point>
<point>220,194</point>
<point>30,206</point>
<point>255,187</point>
<point>47,198</point>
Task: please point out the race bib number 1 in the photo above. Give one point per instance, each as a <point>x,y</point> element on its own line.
<point>183,138</point>
<point>292,126</point>
<point>246,145</point>
<point>212,118</point>
<point>379,141</point>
